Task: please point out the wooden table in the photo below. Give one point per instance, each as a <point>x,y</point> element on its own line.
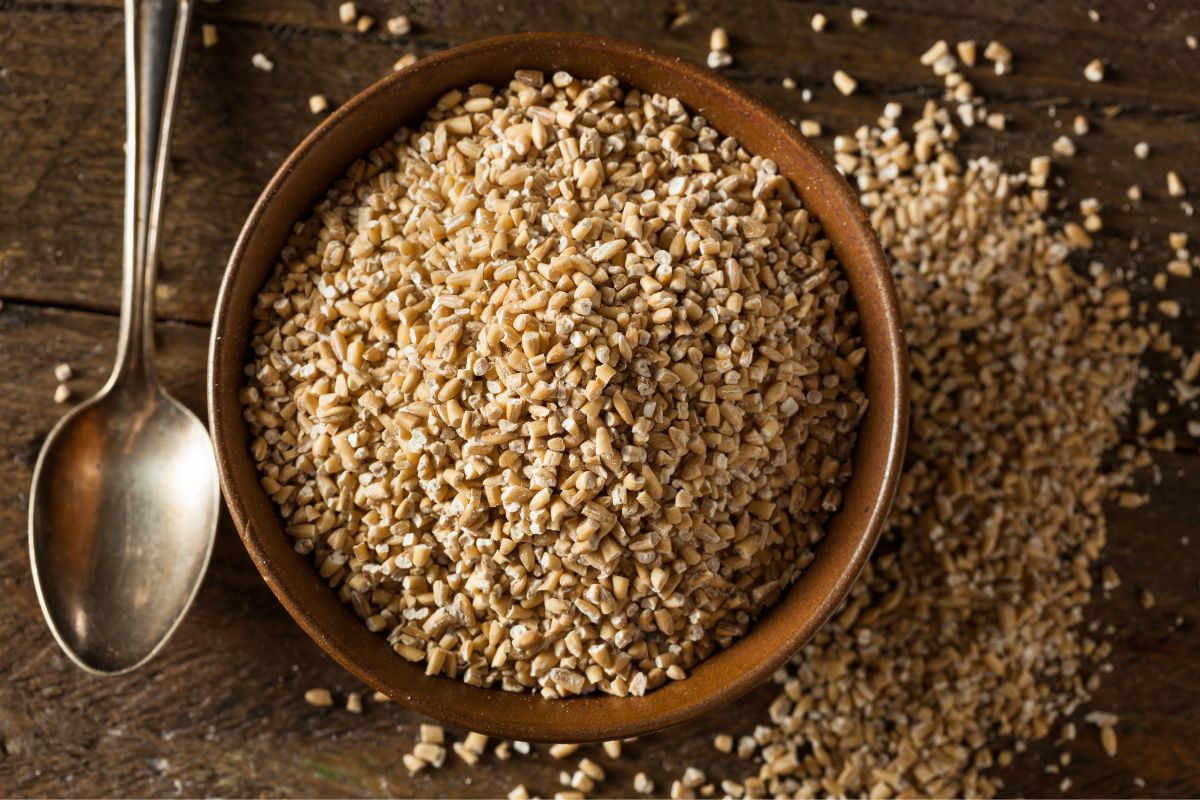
<point>220,710</point>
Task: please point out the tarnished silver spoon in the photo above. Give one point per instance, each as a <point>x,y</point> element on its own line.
<point>123,510</point>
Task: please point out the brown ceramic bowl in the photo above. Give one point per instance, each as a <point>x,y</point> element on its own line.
<point>372,117</point>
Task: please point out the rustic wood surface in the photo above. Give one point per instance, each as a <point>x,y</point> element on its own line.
<point>219,712</point>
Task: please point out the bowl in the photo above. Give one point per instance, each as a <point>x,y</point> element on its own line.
<point>373,116</point>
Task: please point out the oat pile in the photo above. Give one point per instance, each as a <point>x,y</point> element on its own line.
<point>963,635</point>
<point>558,389</point>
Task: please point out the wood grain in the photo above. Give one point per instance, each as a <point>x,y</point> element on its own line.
<point>219,712</point>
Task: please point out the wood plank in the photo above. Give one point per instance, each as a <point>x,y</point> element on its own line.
<point>219,712</point>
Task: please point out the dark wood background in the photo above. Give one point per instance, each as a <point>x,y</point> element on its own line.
<point>219,712</point>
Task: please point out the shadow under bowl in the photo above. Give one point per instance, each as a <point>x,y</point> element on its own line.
<point>403,98</point>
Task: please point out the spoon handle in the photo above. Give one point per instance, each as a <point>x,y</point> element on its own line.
<point>155,35</point>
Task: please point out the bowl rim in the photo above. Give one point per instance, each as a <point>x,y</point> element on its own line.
<point>584,718</point>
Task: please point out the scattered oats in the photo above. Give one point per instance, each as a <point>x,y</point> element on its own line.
<point>412,763</point>
<point>819,22</point>
<point>1180,268</point>
<point>612,748</point>
<point>718,39</point>
<point>789,83</point>
<point>380,697</point>
<point>1147,599</point>
<point>692,778</point>
<point>432,733</point>
<point>945,66</point>
<point>465,754</point>
<point>723,742</point>
<point>399,25</point>
<point>1191,368</point>
<point>1076,237</point>
<point>1093,15</point>
<point>966,52</point>
<point>1109,580</point>
<point>1159,281</point>
<point>732,788</point>
<point>718,59</point>
<point>318,104</point>
<point>1092,223</point>
<point>1193,428</point>
<point>208,34</point>
<point>502,751</point>
<point>998,53</point>
<point>571,794</point>
<point>1192,42</point>
<point>354,703</point>
<point>1064,146</point>
<point>260,61</point>
<point>642,783</point>
<point>1094,71</point>
<point>475,743</point>
<point>1169,307</point>
<point>1108,740</point>
<point>62,393</point>
<point>432,754</point>
<point>1134,193</point>
<point>806,95</point>
<point>1175,186</point>
<point>364,23</point>
<point>859,17</point>
<point>1081,125</point>
<point>1039,170</point>
<point>1090,205</point>
<point>347,13</point>
<point>844,83</point>
<point>937,51</point>
<point>591,769</point>
<point>1064,785</point>
<point>1141,150</point>
<point>1132,499</point>
<point>406,60</point>
<point>321,698</point>
<point>810,127</point>
<point>1178,240</point>
<point>518,792</point>
<point>681,19</point>
<point>522,747</point>
<point>1139,782</point>
<point>561,751</point>
<point>63,372</point>
<point>577,781</point>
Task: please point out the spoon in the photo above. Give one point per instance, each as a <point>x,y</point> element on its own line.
<point>123,510</point>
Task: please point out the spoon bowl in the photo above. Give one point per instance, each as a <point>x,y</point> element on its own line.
<point>124,496</point>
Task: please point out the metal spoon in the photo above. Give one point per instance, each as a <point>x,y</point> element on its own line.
<point>123,510</point>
